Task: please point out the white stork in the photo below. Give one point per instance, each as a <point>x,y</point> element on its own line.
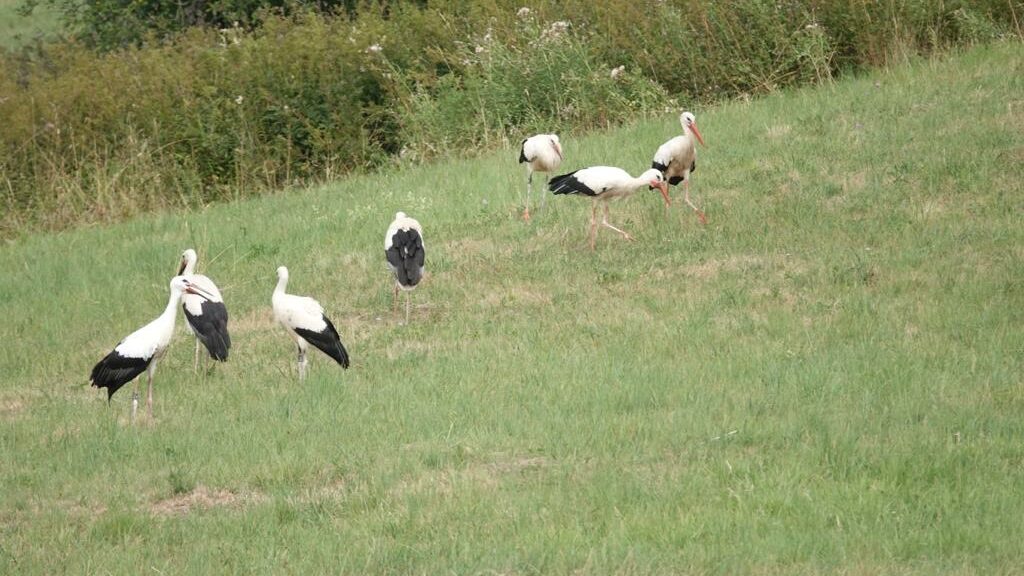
<point>605,183</point>
<point>403,247</point>
<point>207,317</point>
<point>140,350</point>
<point>304,319</point>
<point>677,159</point>
<point>540,153</point>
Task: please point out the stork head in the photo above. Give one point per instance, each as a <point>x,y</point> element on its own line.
<point>400,215</point>
<point>556,144</point>
<point>689,122</point>
<point>188,261</point>
<point>656,180</point>
<point>282,273</point>
<point>181,284</point>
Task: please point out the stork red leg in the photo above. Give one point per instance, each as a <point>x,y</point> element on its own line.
<point>608,224</point>
<point>686,197</point>
<point>135,402</point>
<point>529,192</point>
<point>149,390</point>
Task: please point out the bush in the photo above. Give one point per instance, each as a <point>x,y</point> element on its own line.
<point>213,114</point>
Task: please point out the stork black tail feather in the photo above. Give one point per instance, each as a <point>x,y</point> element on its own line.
<point>407,256</point>
<point>211,327</point>
<point>522,153</point>
<point>327,341</point>
<point>115,370</point>
<point>568,184</point>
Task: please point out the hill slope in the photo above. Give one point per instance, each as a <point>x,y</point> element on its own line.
<point>827,375</point>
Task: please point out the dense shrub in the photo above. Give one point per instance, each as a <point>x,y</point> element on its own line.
<point>220,112</point>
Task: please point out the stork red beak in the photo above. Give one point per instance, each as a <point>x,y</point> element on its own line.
<point>663,188</point>
<point>193,289</point>
<point>558,149</point>
<point>697,133</point>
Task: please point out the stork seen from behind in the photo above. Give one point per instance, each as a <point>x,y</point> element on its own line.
<point>403,248</point>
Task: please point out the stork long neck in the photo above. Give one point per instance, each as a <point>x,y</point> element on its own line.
<point>282,283</point>
<point>638,183</point>
<point>171,312</point>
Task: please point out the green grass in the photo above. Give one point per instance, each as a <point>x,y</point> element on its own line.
<point>17,30</point>
<point>826,378</point>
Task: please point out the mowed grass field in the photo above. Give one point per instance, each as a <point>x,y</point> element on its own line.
<point>825,378</point>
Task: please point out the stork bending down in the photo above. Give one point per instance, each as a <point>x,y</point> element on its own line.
<point>540,153</point>
<point>603,184</point>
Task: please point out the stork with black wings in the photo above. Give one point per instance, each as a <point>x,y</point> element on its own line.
<point>403,247</point>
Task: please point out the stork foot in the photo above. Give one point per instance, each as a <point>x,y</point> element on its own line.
<point>526,215</point>
<point>703,219</point>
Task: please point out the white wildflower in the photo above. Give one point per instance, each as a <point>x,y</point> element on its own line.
<point>556,29</point>
<point>480,49</point>
<point>523,12</point>
<point>239,99</point>
<point>374,49</point>
<point>616,72</point>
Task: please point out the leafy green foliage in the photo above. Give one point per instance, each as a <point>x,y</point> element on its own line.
<point>220,112</point>
<point>112,24</point>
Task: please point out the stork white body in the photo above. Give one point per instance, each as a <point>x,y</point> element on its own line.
<point>305,321</point>
<point>540,153</point>
<point>207,317</point>
<point>603,184</point>
<point>406,255</point>
<point>139,351</point>
<point>677,159</point>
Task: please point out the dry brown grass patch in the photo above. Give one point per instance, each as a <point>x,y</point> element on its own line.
<point>202,498</point>
<point>11,408</point>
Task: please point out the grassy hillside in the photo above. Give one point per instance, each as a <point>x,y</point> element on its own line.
<point>827,377</point>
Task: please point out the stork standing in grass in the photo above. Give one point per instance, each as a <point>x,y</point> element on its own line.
<point>677,159</point>
<point>207,317</point>
<point>540,153</point>
<point>403,247</point>
<point>140,350</point>
<point>305,320</point>
<point>603,184</point>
